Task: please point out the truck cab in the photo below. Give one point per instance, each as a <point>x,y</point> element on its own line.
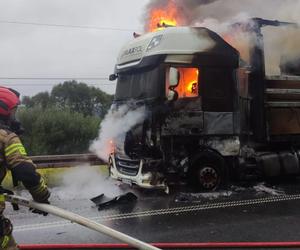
<point>186,79</point>
<point>208,115</point>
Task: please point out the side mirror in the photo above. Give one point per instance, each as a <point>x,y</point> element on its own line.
<point>172,95</point>
<point>174,77</point>
<point>113,77</point>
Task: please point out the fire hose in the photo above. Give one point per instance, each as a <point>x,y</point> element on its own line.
<point>79,220</point>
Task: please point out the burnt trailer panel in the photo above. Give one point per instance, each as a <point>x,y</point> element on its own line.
<point>283,107</point>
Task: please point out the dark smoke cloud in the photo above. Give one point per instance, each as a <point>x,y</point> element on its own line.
<point>194,3</point>
<point>187,3</point>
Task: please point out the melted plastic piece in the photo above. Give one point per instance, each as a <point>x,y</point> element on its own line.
<point>103,201</point>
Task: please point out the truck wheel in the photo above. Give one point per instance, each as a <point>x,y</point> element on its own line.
<point>207,174</point>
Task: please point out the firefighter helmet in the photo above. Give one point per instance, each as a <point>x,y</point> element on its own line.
<point>9,99</point>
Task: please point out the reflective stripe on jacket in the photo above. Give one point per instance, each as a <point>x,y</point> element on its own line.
<point>13,155</point>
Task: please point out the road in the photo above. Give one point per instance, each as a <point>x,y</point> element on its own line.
<point>254,213</point>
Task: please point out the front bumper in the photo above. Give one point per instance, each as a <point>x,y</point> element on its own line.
<point>131,172</point>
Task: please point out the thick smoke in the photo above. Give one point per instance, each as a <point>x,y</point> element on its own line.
<point>219,15</point>
<point>84,182</point>
<point>224,10</point>
<point>114,127</point>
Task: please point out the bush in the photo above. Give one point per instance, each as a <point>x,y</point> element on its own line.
<point>56,131</point>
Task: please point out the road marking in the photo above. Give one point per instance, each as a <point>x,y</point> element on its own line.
<point>164,211</point>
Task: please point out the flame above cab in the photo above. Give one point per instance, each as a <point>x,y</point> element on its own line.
<point>160,18</point>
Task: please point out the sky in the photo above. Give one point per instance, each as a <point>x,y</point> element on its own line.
<point>45,47</point>
<point>80,39</point>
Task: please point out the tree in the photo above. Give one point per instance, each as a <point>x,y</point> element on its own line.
<point>64,121</point>
<point>81,98</point>
<point>42,99</point>
<point>78,97</point>
<point>56,131</point>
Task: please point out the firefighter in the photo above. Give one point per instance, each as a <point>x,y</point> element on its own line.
<point>13,157</point>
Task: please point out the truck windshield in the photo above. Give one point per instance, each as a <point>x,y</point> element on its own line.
<point>140,85</point>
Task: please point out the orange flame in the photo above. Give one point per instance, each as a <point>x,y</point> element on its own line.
<point>161,18</point>
<point>188,85</point>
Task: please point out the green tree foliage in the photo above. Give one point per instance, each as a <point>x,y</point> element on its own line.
<point>42,100</point>
<point>78,97</point>
<point>64,121</point>
<point>56,131</point>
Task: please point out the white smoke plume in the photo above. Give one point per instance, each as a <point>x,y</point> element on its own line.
<point>114,127</point>
<point>238,38</point>
<point>84,182</point>
<point>219,15</point>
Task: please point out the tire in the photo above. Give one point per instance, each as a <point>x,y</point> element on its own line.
<point>208,174</point>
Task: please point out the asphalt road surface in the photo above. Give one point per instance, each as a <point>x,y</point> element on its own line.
<point>259,212</point>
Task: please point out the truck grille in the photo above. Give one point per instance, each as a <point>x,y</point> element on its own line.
<point>127,166</point>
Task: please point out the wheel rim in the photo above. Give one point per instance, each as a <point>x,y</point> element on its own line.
<point>209,177</point>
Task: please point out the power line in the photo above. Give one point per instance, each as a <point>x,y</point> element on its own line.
<point>49,84</point>
<point>66,26</point>
<point>54,78</point>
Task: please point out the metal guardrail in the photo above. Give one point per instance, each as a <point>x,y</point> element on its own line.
<point>65,161</point>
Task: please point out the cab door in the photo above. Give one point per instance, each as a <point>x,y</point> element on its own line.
<point>185,115</point>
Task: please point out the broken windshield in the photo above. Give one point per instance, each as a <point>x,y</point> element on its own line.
<point>140,84</point>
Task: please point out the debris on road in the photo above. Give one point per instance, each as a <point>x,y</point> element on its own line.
<point>103,201</point>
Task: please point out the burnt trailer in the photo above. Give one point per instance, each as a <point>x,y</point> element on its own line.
<point>208,116</point>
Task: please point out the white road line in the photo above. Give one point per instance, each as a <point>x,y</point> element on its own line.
<point>164,211</point>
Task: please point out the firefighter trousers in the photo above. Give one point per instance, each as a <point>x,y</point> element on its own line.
<point>8,243</point>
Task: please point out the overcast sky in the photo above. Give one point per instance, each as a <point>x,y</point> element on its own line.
<point>33,51</point>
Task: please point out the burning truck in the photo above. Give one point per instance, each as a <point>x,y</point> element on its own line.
<point>208,116</point>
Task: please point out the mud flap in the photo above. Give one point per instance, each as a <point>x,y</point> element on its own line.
<point>103,201</point>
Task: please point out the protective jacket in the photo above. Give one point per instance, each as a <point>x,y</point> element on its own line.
<point>13,157</point>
